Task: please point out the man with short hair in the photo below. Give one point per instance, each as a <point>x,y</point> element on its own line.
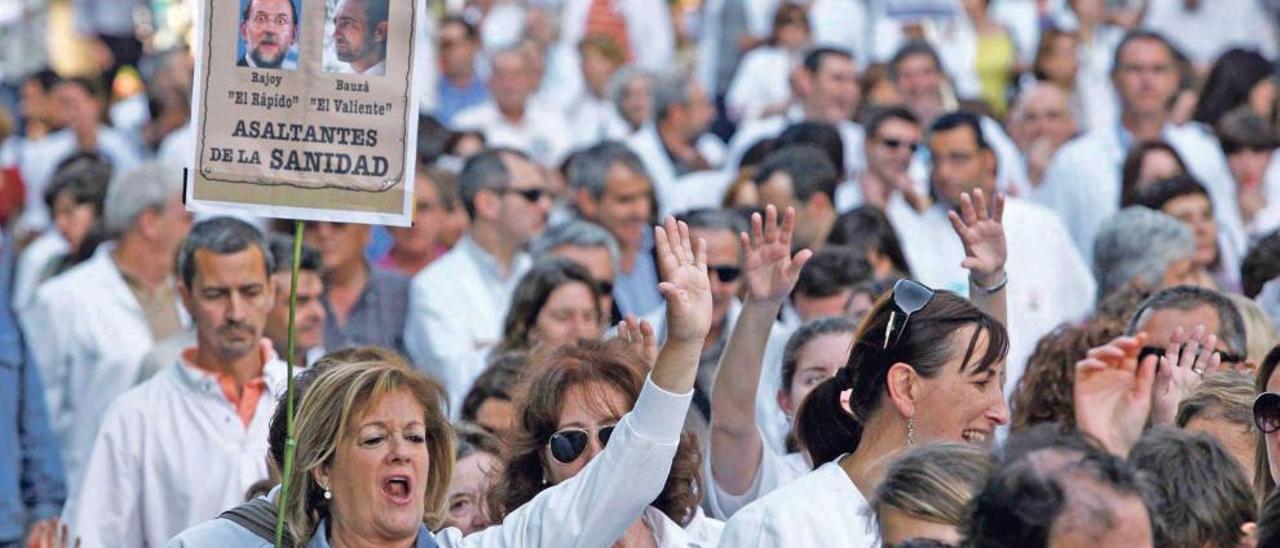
<point>609,186</point>
<point>309,341</point>
<point>510,117</point>
<point>826,285</point>
<point>1048,282</point>
<point>1082,182</point>
<point>456,305</point>
<point>460,87</point>
<point>893,137</point>
<point>365,305</point>
<point>360,35</point>
<point>201,424</point>
<point>801,176</point>
<point>1040,122</point>
<point>589,245</point>
<point>676,145</point>
<point>89,328</point>
<point>826,88</point>
<point>916,71</point>
<point>269,29</point>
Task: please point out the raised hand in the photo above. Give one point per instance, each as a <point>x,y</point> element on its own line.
<point>1113,393</point>
<point>51,533</point>
<point>640,338</point>
<point>1187,359</point>
<point>985,249</point>
<point>771,271</point>
<point>682,265</point>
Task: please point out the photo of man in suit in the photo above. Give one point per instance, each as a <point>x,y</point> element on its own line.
<point>360,36</point>
<point>268,31</point>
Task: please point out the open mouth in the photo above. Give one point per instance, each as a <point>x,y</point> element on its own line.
<point>975,437</point>
<point>398,489</point>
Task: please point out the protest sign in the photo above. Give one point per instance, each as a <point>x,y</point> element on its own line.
<point>306,109</point>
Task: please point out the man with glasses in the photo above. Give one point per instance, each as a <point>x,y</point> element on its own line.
<point>893,136</point>
<point>1187,326</point>
<point>456,305</point>
<point>269,29</point>
<point>1048,282</point>
<point>1082,182</point>
<point>1040,122</point>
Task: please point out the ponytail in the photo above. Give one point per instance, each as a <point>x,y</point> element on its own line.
<point>825,429</point>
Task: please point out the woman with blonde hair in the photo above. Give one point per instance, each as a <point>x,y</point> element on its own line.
<point>925,494</point>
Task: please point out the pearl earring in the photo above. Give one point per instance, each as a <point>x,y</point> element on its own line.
<point>328,495</point>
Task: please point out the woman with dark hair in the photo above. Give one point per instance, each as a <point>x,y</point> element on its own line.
<point>1266,415</point>
<point>1185,199</point>
<point>867,230</point>
<point>1147,162</point>
<point>556,301</point>
<point>1239,77</point>
<point>925,366</point>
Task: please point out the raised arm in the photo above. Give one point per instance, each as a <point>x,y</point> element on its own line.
<point>985,251</point>
<point>1113,393</point>
<point>596,506</point>
<point>771,273</point>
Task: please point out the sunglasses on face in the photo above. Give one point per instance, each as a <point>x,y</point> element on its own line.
<point>899,143</point>
<point>726,274</point>
<point>909,297</point>
<point>568,444</point>
<point>531,195</point>
<point>1266,412</point>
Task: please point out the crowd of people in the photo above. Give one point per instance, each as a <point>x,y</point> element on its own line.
<point>988,273</point>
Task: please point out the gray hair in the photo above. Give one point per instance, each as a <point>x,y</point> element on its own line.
<point>485,171</point>
<point>576,233</point>
<point>1138,243</point>
<point>150,186</point>
<point>669,90</point>
<point>718,219</point>
<point>588,168</point>
<point>618,82</point>
<point>222,236</point>
<point>1185,297</point>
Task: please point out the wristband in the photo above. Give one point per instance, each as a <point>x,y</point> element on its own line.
<point>989,290</point>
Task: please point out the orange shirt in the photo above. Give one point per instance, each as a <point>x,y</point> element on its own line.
<point>244,399</point>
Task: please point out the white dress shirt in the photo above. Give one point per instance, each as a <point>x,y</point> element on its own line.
<point>588,509</point>
<point>820,509</point>
<point>763,80</point>
<point>852,136</point>
<point>456,309</point>
<point>542,134</point>
<point>662,171</point>
<point>88,334</point>
<point>1082,182</point>
<point>776,470</point>
<point>172,452</point>
<point>1049,283</point>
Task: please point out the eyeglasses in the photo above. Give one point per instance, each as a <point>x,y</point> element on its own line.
<point>909,297</point>
<point>899,143</point>
<point>531,195</point>
<point>1266,412</point>
<point>726,273</point>
<point>568,444</point>
<point>1159,352</point>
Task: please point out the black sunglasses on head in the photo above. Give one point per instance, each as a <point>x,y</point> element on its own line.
<point>1266,412</point>
<point>909,297</point>
<point>568,444</point>
<point>1159,352</point>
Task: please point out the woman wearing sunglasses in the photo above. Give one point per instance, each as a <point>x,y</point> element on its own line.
<point>1266,415</point>
<point>569,409</point>
<point>925,366</point>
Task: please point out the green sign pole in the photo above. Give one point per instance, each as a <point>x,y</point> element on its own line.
<point>290,443</point>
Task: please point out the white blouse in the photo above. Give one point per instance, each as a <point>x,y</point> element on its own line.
<point>822,508</point>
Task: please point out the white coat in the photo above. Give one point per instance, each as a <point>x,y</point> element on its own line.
<point>88,335</point>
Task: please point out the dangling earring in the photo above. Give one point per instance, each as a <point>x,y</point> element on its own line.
<point>328,495</point>
<point>911,431</point>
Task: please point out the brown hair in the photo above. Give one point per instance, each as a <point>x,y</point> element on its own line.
<point>337,397</point>
<point>827,431</point>
<point>1132,167</point>
<point>532,294</point>
<point>552,372</point>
